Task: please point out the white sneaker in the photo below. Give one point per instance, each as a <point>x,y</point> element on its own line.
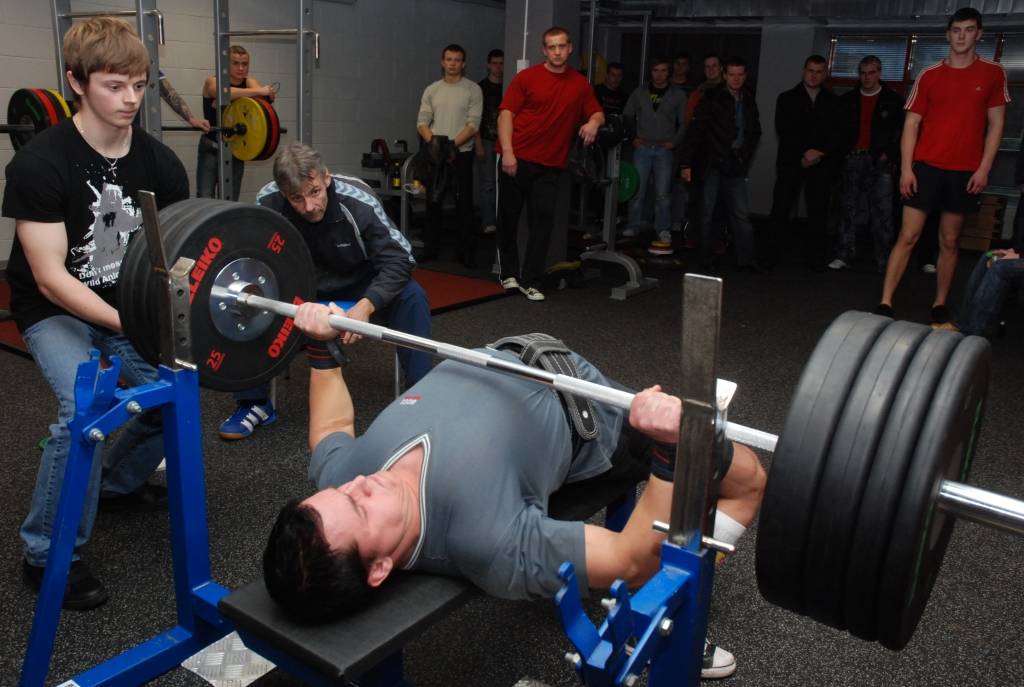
<point>837,264</point>
<point>718,662</point>
<point>510,283</point>
<point>665,236</point>
<point>928,269</point>
<point>630,232</point>
<point>531,293</point>
<point>490,229</point>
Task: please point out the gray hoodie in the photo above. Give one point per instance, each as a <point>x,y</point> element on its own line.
<point>667,124</point>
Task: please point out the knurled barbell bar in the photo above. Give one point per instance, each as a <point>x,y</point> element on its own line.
<point>250,125</point>
<point>867,474</point>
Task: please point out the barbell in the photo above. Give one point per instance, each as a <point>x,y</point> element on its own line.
<point>250,126</point>
<point>867,475</point>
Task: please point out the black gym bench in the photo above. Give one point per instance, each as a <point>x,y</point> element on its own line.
<point>367,645</point>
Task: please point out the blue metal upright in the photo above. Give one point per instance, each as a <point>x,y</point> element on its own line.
<point>100,409</point>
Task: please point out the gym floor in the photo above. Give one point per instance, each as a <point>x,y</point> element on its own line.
<point>970,633</point>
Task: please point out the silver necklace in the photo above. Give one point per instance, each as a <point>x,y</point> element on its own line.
<point>111,162</point>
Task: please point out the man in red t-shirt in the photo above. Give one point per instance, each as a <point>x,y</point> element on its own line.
<point>953,127</point>
<point>542,109</point>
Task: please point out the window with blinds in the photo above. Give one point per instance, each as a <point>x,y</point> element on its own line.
<point>926,50</point>
<point>848,51</point>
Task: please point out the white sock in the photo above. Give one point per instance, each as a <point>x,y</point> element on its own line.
<point>727,529</point>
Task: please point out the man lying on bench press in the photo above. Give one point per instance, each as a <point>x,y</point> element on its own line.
<point>454,478</point>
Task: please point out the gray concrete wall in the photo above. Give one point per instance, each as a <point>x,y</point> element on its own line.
<point>376,58</point>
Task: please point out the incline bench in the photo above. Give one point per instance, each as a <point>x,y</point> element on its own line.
<point>367,645</point>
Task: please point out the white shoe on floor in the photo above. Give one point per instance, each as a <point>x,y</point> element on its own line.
<point>928,269</point>
<point>630,232</point>
<point>718,662</point>
<point>837,264</point>
<point>531,293</point>
<point>510,283</point>
<point>490,229</point>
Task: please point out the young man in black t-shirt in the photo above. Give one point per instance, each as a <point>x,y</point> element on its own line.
<point>611,94</point>
<point>486,160</point>
<point>73,193</point>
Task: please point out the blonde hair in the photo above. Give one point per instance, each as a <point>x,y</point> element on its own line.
<point>103,44</point>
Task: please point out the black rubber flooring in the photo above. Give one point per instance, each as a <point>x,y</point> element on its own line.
<point>970,634</point>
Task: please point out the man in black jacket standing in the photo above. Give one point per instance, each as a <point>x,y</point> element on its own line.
<point>869,122</point>
<point>724,135</point>
<point>802,123</point>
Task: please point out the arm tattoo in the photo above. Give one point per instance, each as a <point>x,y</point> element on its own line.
<point>176,102</point>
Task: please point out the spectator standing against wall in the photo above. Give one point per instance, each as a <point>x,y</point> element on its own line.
<point>952,131</point>
<point>487,138</point>
<point>869,121</point>
<point>803,123</point>
<point>452,107</point>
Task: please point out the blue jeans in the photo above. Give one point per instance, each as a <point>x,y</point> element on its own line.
<point>409,312</point>
<point>661,162</point>
<point>59,344</point>
<point>985,294</point>
<point>206,171</point>
<point>487,190</point>
<point>733,192</point>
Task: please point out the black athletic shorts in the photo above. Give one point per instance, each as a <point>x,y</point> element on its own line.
<point>942,189</point>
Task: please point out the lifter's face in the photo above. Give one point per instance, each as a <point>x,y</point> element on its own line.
<point>870,76</point>
<point>112,98</point>
<point>453,63</point>
<point>557,48</point>
<point>310,201</point>
<point>712,69</point>
<point>814,74</point>
<point>367,516</point>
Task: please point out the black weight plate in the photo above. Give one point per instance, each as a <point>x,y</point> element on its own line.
<point>29,106</point>
<point>801,452</point>
<point>885,483</point>
<point>214,233</point>
<point>920,530</point>
<point>846,471</point>
<point>134,300</point>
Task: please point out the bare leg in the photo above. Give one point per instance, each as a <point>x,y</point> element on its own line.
<point>949,233</point>
<point>742,488</point>
<point>910,231</point>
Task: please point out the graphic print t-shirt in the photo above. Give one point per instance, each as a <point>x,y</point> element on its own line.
<point>58,177</point>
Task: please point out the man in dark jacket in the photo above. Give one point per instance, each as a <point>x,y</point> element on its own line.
<point>868,125</point>
<point>358,254</point>
<point>802,123</point>
<point>723,135</point>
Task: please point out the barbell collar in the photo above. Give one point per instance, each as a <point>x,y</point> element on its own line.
<point>580,387</point>
<point>983,507</point>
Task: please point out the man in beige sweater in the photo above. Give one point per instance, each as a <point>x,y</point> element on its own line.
<point>451,107</point>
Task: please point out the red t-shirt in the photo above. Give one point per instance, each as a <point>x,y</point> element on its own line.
<point>867,110</point>
<point>548,110</point>
<point>953,104</point>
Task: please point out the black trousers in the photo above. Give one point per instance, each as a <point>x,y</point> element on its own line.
<point>817,185</point>
<point>536,187</point>
<point>461,184</point>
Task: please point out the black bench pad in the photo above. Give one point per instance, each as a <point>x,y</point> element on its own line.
<point>404,608</point>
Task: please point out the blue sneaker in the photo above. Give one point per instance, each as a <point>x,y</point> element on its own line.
<point>246,418</point>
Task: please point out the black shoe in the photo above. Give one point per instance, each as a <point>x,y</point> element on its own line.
<point>940,314</point>
<point>883,309</point>
<point>148,497</point>
<point>83,591</point>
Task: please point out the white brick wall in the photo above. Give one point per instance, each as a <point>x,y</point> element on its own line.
<point>376,56</point>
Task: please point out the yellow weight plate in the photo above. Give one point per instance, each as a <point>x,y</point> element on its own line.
<point>248,112</point>
<point>60,99</point>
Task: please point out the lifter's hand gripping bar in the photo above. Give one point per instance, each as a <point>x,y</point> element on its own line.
<point>591,390</point>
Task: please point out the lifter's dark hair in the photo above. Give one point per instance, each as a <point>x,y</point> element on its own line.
<point>815,59</point>
<point>454,47</point>
<point>964,14</point>
<point>308,580</point>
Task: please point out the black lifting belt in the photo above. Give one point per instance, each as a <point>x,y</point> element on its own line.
<point>548,353</point>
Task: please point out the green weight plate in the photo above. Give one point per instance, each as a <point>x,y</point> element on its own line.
<point>216,233</point>
<point>801,453</point>
<point>629,181</point>
<point>850,457</point>
<point>885,483</point>
<point>920,530</point>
